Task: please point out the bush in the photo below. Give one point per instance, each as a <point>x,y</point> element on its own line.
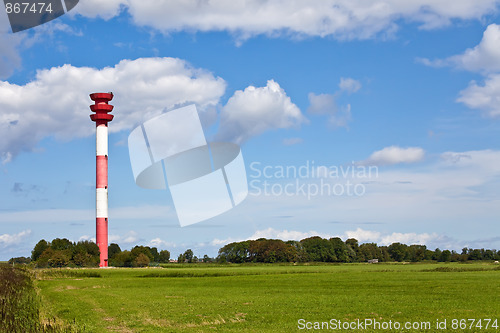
<point>141,260</point>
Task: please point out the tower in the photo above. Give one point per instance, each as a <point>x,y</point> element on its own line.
<point>101,119</point>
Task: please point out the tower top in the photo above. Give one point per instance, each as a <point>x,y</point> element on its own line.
<point>101,107</point>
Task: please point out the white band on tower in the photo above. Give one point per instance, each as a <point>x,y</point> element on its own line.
<point>101,208</point>
<point>102,140</point>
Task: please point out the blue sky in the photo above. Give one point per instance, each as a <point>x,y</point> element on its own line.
<point>411,89</point>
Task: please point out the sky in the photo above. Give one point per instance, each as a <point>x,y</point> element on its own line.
<point>377,120</point>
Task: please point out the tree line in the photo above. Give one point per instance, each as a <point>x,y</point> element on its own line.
<point>64,253</point>
<point>61,252</point>
<point>317,249</point>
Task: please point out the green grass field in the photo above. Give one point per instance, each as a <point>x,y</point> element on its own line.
<point>269,298</point>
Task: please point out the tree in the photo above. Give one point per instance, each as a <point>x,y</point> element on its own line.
<point>301,254</point>
<point>155,254</point>
<point>58,259</point>
<point>352,244</point>
<point>181,258</point>
<point>164,256</point>
<point>341,250</point>
<point>142,249</point>
<point>113,250</point>
<point>445,256</point>
<point>61,244</point>
<point>489,255</point>
<point>416,252</point>
<point>475,254</point>
<point>85,254</point>
<point>141,260</point>
<point>41,246</point>
<point>318,249</point>
<point>237,252</point>
<point>271,250</point>
<point>188,255</point>
<point>123,259</point>
<point>398,251</point>
<point>437,254</point>
<point>368,251</point>
<point>43,259</point>
<point>19,260</point>
<point>82,259</point>
<point>455,256</point>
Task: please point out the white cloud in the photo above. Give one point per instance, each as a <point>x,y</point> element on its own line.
<point>7,240</point>
<point>326,104</point>
<point>87,238</point>
<point>484,97</point>
<point>454,190</point>
<point>343,19</point>
<point>56,102</point>
<point>349,85</point>
<point>161,244</point>
<point>130,237</point>
<point>285,235</point>
<point>98,8</point>
<point>143,88</point>
<point>322,104</point>
<point>341,118</point>
<point>395,155</point>
<point>367,236</point>
<point>270,233</point>
<point>256,110</point>
<point>222,242</point>
<point>363,236</point>
<point>485,57</point>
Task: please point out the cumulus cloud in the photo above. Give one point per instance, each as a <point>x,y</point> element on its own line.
<point>162,244</point>
<point>362,235</point>
<point>143,89</point>
<point>367,236</point>
<point>270,233</point>
<point>255,110</point>
<point>322,104</point>
<point>395,155</point>
<point>343,19</point>
<point>7,240</point>
<point>349,85</point>
<point>87,238</point>
<point>485,57</point>
<point>55,102</point>
<point>485,97</point>
<point>285,235</point>
<point>131,237</point>
<point>98,8</point>
<point>326,104</point>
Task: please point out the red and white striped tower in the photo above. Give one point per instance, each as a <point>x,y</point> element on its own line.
<point>101,118</point>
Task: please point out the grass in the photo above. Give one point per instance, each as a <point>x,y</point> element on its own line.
<point>267,298</point>
<point>20,304</point>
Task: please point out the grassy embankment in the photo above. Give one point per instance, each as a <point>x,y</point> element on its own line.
<point>20,304</point>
